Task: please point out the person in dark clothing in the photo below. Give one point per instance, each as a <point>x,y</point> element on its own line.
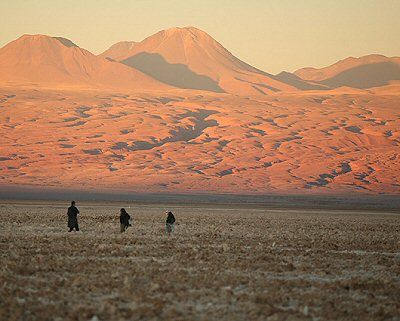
<point>73,217</point>
<point>169,224</point>
<point>124,218</point>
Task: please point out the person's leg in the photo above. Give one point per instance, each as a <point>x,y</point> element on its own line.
<point>70,229</point>
<point>169,228</point>
<point>76,227</point>
<point>122,228</point>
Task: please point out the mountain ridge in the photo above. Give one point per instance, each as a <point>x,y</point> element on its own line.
<point>58,61</point>
<point>179,57</point>
<point>205,56</point>
<point>319,74</point>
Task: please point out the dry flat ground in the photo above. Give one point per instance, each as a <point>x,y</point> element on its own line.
<point>223,263</point>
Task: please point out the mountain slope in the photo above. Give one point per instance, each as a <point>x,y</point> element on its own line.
<point>56,61</point>
<point>177,75</point>
<point>366,76</point>
<point>299,83</point>
<point>364,72</point>
<point>202,56</point>
<point>117,51</point>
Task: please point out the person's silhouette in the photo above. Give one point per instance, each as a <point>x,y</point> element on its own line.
<point>73,217</point>
<point>124,220</point>
<point>170,223</point>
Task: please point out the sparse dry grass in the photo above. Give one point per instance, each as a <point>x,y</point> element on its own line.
<point>222,264</point>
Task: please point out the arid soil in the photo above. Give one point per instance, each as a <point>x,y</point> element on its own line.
<point>188,141</point>
<point>223,263</point>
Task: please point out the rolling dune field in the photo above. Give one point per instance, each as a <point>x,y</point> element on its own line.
<point>184,141</point>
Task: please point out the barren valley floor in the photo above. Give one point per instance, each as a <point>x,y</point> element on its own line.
<point>224,263</point>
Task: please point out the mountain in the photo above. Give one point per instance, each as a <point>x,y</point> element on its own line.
<point>190,58</point>
<point>178,57</point>
<point>55,61</point>
<point>118,50</point>
<point>364,72</point>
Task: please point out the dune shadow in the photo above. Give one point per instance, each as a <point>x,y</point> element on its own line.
<point>67,146</point>
<point>177,75</point>
<point>81,111</point>
<point>327,178</point>
<point>94,151</point>
<point>225,172</point>
<point>181,134</point>
<point>256,85</point>
<point>354,129</point>
<point>79,123</point>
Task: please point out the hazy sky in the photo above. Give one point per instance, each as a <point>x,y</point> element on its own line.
<point>273,35</point>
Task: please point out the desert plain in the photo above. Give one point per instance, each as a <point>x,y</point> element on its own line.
<point>224,262</point>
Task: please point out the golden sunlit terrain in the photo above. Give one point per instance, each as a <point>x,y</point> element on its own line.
<point>193,141</point>
<point>179,113</point>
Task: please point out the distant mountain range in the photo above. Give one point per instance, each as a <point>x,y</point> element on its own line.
<point>185,58</point>
<point>364,72</point>
<point>190,58</point>
<point>54,61</point>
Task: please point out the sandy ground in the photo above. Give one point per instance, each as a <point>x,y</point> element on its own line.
<point>188,142</point>
<point>223,263</point>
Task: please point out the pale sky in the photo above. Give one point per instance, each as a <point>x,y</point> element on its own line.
<point>272,35</point>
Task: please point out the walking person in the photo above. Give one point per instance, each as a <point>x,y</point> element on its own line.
<point>124,219</point>
<point>169,224</point>
<point>73,217</point>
